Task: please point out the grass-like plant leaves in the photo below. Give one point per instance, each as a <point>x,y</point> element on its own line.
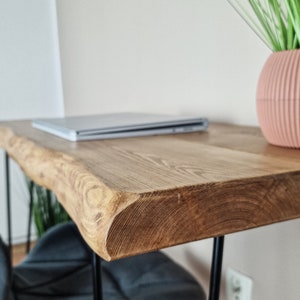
<point>47,211</point>
<point>276,22</point>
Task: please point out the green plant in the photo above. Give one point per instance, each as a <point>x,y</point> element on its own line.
<point>276,22</point>
<point>47,211</point>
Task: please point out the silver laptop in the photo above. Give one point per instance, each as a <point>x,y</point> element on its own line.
<point>119,125</point>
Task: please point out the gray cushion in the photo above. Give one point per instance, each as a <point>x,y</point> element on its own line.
<point>59,267</point>
<point>5,272</point>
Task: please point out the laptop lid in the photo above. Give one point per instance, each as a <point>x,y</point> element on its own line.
<point>118,125</point>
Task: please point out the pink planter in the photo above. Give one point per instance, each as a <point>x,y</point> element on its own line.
<point>278,99</point>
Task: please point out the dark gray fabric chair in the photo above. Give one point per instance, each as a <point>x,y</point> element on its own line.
<point>59,268</point>
<point>5,273</point>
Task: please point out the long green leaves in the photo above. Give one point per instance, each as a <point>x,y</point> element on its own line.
<point>276,22</point>
<point>47,211</point>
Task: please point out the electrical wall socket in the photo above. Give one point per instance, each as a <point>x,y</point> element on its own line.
<point>238,286</point>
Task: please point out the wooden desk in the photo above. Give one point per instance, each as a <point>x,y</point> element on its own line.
<point>130,196</point>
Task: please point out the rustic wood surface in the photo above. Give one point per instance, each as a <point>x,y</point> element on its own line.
<point>135,195</point>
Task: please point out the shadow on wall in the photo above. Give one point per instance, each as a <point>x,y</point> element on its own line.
<point>200,267</point>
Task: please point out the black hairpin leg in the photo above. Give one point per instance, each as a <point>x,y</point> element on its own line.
<point>30,216</point>
<point>8,203</point>
<point>97,278</point>
<point>216,268</point>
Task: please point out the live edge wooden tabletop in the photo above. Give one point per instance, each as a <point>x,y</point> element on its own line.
<point>134,195</point>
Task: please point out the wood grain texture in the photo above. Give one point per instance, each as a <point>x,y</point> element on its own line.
<point>135,195</point>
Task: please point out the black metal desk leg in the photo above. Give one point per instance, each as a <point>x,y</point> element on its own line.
<point>97,278</point>
<point>8,203</point>
<point>216,268</point>
<point>30,216</point>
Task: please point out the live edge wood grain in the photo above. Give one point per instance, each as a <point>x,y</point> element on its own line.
<point>130,196</point>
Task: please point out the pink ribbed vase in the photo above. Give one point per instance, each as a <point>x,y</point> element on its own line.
<point>278,99</point>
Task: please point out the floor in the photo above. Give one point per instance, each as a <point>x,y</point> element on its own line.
<point>19,253</point>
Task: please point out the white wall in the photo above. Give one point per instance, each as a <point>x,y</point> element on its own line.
<point>30,83</point>
<point>178,56</point>
<point>159,55</point>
